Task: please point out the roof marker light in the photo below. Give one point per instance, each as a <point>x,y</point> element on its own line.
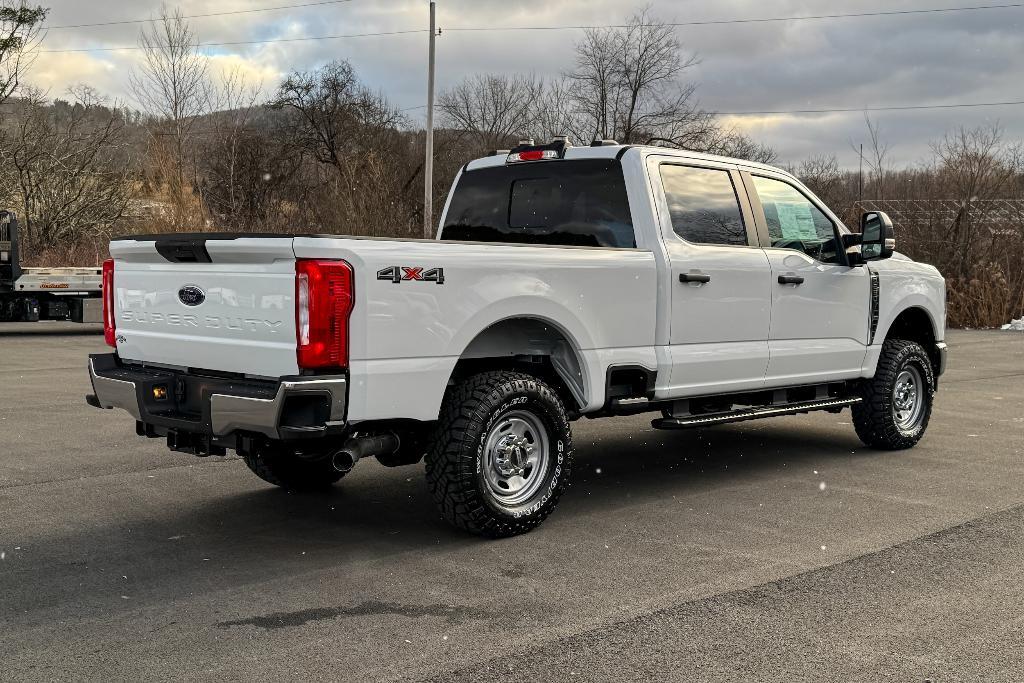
<point>531,155</point>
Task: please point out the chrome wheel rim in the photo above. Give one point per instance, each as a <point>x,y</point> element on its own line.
<point>908,398</point>
<point>516,457</point>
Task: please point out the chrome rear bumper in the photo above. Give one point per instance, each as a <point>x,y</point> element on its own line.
<point>292,408</point>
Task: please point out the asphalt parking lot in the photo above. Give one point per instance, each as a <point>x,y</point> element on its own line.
<point>779,550</point>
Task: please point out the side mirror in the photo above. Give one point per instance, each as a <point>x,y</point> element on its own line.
<point>877,238</point>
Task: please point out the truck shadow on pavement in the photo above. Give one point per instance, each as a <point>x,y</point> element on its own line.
<point>378,515</point>
<point>393,510</point>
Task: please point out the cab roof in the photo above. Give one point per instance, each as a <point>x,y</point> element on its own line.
<point>618,151</point>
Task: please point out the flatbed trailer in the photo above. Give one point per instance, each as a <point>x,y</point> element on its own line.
<point>32,294</point>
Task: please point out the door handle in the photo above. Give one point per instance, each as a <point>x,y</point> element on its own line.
<point>694,277</point>
<point>790,279</point>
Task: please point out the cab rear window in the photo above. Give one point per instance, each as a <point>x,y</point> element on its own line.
<point>569,203</point>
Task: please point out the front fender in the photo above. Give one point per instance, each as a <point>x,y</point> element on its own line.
<point>900,291</point>
<point>903,286</point>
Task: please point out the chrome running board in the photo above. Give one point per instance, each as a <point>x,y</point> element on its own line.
<point>754,413</point>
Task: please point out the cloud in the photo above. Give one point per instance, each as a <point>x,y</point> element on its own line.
<point>264,75</point>
<point>871,61</point>
<point>56,73</point>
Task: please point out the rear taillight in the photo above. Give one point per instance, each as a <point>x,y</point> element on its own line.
<point>107,288</point>
<point>323,302</point>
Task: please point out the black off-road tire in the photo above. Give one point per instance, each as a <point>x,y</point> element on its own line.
<point>874,418</point>
<point>455,457</point>
<point>291,472</point>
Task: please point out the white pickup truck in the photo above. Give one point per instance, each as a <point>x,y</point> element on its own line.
<point>564,282</point>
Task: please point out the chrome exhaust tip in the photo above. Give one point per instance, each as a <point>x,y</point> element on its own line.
<point>344,460</point>
<point>355,449</point>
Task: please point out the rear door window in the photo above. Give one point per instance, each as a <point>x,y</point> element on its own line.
<point>569,203</point>
<point>703,205</point>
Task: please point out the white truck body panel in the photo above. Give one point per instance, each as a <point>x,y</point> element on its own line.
<point>406,339</point>
<point>246,324</point>
<point>719,329</point>
<point>820,336</point>
<point>905,284</point>
<point>712,348</point>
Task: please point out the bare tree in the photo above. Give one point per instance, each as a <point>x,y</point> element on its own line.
<point>650,63</point>
<point>20,30</point>
<point>334,109</point>
<point>878,150</point>
<point>554,114</point>
<point>977,165</point>
<point>229,189</point>
<point>72,167</point>
<point>714,139</point>
<point>494,109</point>
<point>352,133</point>
<point>172,84</point>
<point>627,85</point>
<point>596,81</point>
<point>823,176</point>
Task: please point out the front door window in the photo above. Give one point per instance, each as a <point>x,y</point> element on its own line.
<point>794,222</point>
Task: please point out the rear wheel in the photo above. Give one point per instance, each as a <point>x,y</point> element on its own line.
<point>292,471</point>
<point>898,399</point>
<point>501,455</point>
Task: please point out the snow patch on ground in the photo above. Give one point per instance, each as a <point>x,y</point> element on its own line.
<point>1017,325</point>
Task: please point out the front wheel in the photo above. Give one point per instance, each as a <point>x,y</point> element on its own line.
<point>501,454</point>
<point>898,399</point>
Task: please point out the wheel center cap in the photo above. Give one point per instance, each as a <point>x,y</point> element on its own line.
<point>905,396</point>
<point>511,455</point>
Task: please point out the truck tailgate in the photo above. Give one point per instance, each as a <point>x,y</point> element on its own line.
<point>232,310</point>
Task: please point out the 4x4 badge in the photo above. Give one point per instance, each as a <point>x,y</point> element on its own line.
<point>399,274</point>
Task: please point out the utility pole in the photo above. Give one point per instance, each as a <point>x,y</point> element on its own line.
<point>428,164</point>
<point>860,177</point>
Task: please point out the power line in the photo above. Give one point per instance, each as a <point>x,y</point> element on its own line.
<point>199,16</point>
<point>836,111</point>
<point>536,28</point>
<point>859,109</point>
<point>758,20</point>
<point>251,42</point>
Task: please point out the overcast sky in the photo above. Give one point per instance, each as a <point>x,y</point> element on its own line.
<point>949,58</point>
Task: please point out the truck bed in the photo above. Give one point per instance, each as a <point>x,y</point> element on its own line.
<point>57,280</point>
<point>406,334</point>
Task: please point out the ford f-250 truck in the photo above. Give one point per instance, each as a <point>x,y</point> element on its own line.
<point>564,282</point>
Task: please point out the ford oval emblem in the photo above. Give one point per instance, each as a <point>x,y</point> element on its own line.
<point>191,295</point>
